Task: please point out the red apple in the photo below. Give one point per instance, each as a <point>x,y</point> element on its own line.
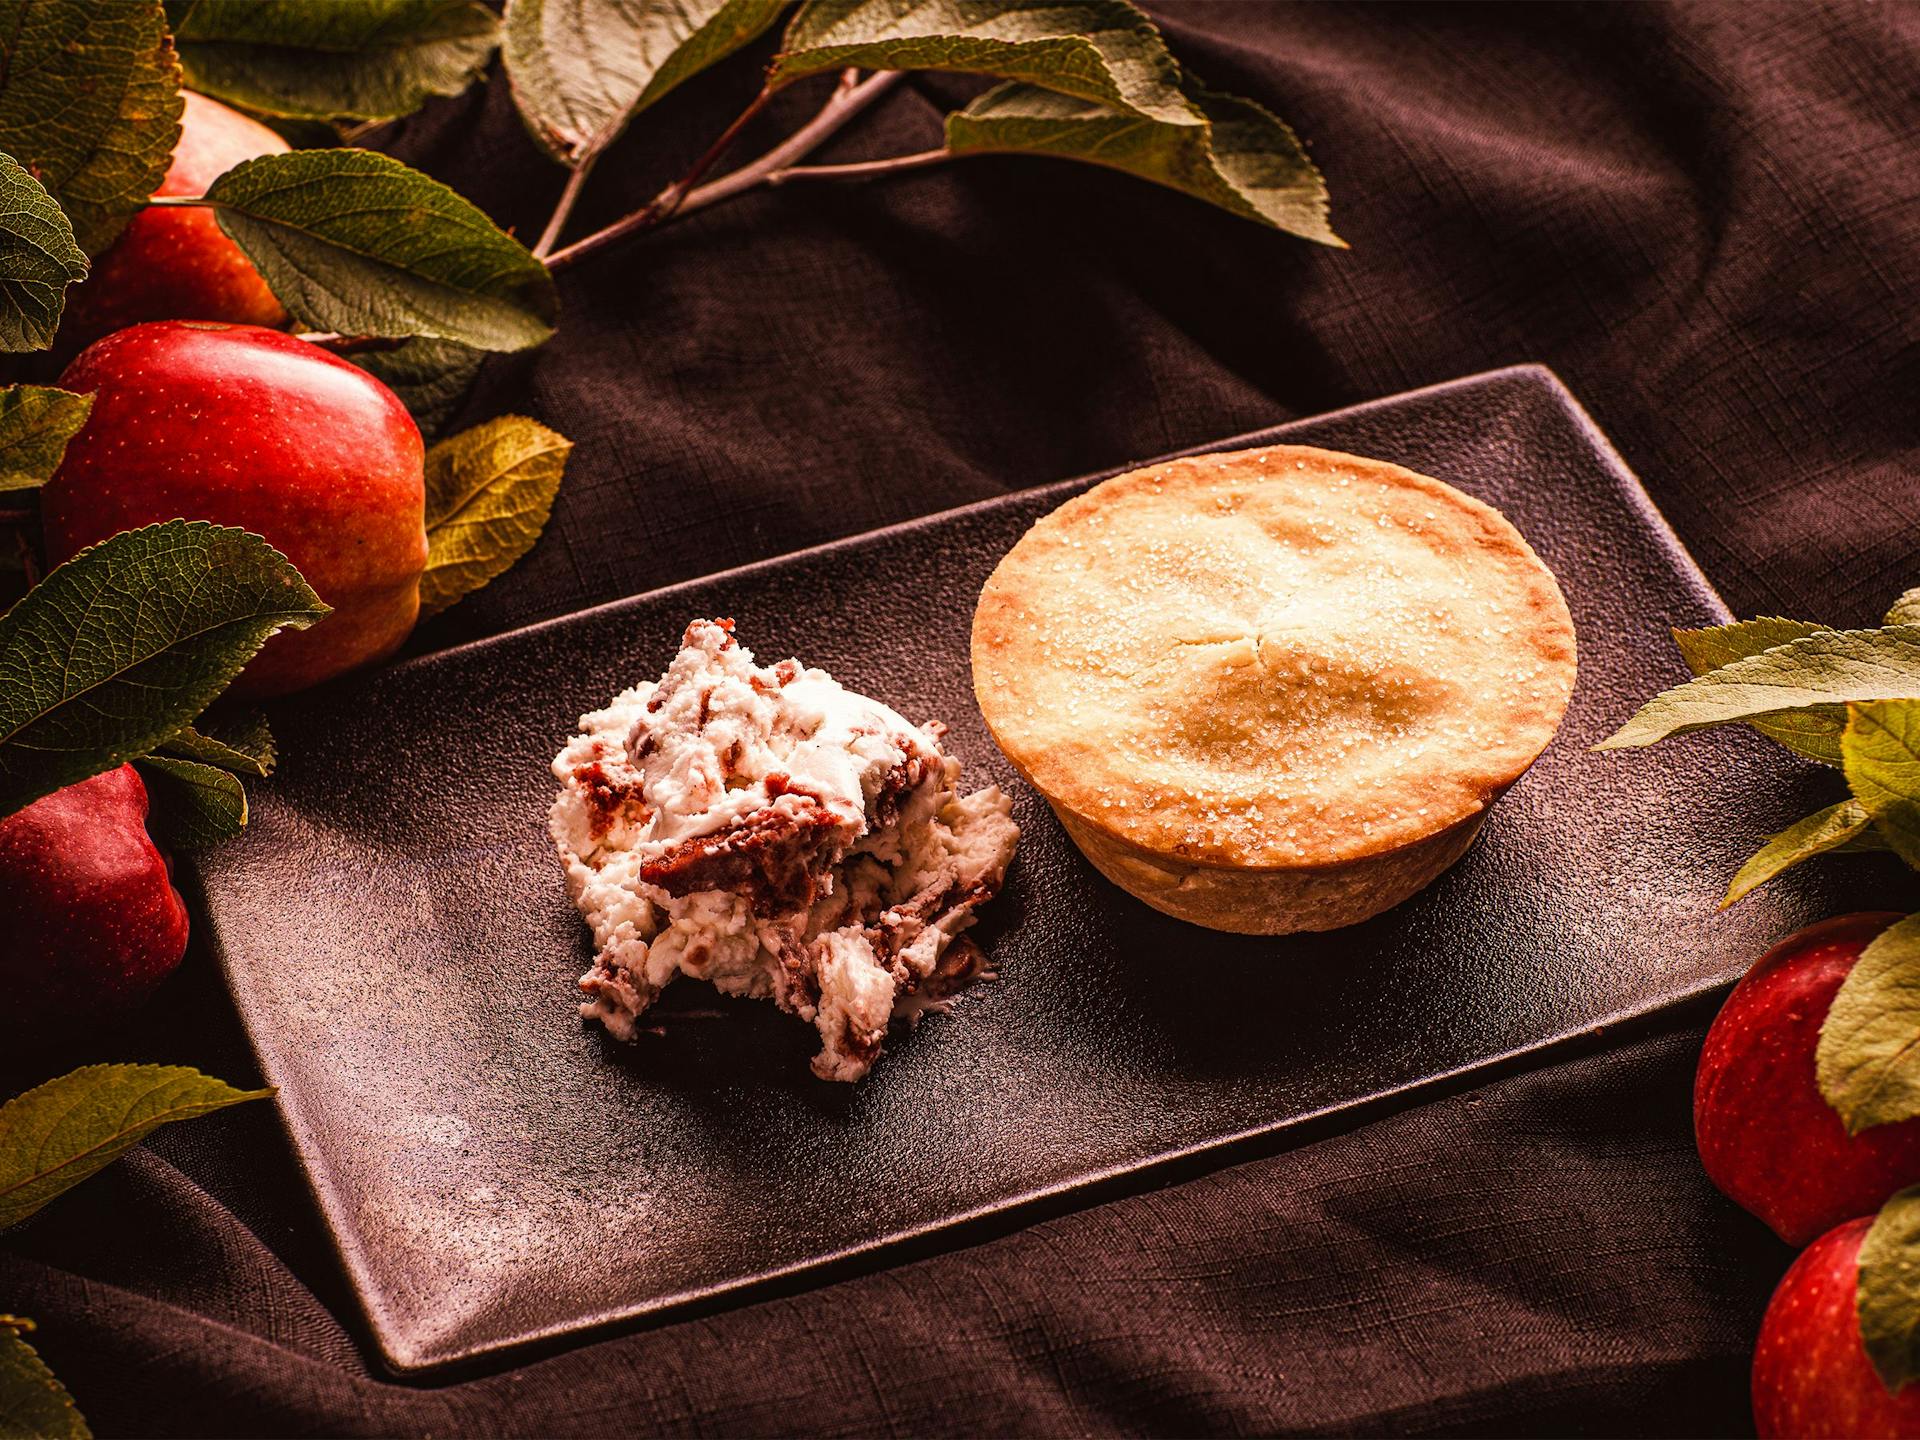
<point>1767,1136</point>
<point>258,429</point>
<point>89,920</point>
<point>1811,1374</point>
<point>174,263</point>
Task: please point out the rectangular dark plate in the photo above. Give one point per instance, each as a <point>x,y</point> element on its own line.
<point>403,952</point>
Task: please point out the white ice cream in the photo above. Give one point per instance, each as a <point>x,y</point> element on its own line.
<point>778,835</point>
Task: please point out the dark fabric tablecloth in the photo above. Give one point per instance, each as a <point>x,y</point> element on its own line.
<point>1706,219</point>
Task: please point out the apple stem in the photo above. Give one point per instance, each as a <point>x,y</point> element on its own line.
<point>849,98</point>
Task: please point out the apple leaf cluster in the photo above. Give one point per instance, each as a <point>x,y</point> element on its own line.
<point>1091,81</point>
<point>113,654</point>
<point>1849,699</point>
<point>350,241</point>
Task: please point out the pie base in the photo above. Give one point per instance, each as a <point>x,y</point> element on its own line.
<point>1273,902</point>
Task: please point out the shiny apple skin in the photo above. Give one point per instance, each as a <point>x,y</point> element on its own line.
<point>1767,1136</point>
<point>1811,1374</point>
<point>176,263</point>
<point>90,922</point>
<point>251,427</point>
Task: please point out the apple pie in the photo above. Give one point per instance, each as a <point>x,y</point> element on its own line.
<point>1272,690</point>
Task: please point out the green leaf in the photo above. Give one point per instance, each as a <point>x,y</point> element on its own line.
<point>195,805</point>
<point>338,60</point>
<point>1825,830</point>
<point>38,260</point>
<point>1881,751</point>
<point>356,242</point>
<point>1243,159</point>
<point>36,422</point>
<point>1718,645</point>
<point>59,1133</point>
<point>1906,610</point>
<point>1868,1059</point>
<point>90,105</point>
<point>32,1401</point>
<point>238,742</point>
<point>1830,667</point>
<point>489,493</point>
<point>1814,732</point>
<point>1887,1292</point>
<point>431,377</point>
<point>582,69</point>
<point>118,648</point>
<point>1099,50</point>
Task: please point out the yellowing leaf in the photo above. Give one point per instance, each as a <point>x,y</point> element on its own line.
<point>59,1133</point>
<point>1830,667</point>
<point>1868,1058</point>
<point>33,1402</point>
<point>1834,828</point>
<point>1881,752</point>
<point>1887,1293</point>
<point>36,422</point>
<point>1716,645</point>
<point>489,493</point>
<point>1813,732</point>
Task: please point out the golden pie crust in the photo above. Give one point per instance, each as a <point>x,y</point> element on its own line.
<point>1275,689</point>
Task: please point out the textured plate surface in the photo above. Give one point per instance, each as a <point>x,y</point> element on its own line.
<point>402,951</point>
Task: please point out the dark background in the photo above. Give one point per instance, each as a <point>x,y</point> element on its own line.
<point>1706,219</point>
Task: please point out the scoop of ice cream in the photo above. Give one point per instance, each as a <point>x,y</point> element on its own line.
<point>770,831</point>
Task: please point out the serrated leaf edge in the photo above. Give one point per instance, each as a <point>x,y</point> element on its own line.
<point>17,1328</point>
<point>126,1136</point>
<point>1619,741</point>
